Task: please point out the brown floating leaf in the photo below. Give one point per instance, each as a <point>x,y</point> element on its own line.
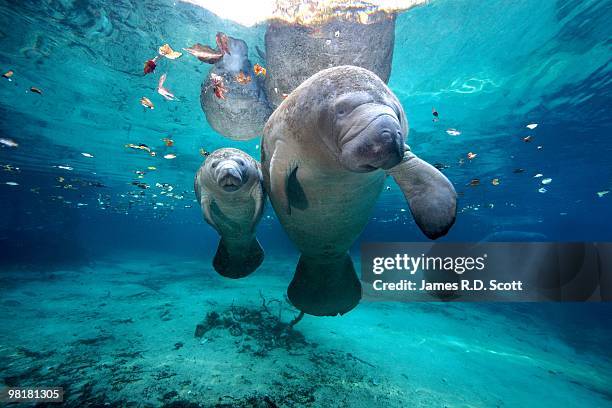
<point>218,86</point>
<point>8,74</point>
<point>150,65</point>
<point>205,53</point>
<point>527,139</point>
<point>259,70</point>
<point>36,90</point>
<point>146,102</point>
<point>168,52</point>
<point>475,182</point>
<point>471,155</point>
<point>495,182</point>
<point>243,78</point>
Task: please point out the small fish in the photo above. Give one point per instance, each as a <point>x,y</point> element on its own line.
<point>602,193</point>
<point>8,142</point>
<point>8,74</point>
<point>546,181</point>
<point>495,182</point>
<point>518,170</point>
<point>471,155</point>
<point>170,156</point>
<point>441,166</point>
<point>204,153</point>
<point>453,132</point>
<point>527,139</point>
<point>532,126</point>
<point>205,53</point>
<point>243,78</point>
<point>164,91</point>
<point>87,155</point>
<point>259,70</point>
<point>168,142</point>
<point>542,190</point>
<point>11,183</point>
<point>150,65</point>
<point>36,90</point>
<point>140,146</point>
<point>166,51</point>
<point>146,102</point>
<point>474,182</point>
<point>223,43</point>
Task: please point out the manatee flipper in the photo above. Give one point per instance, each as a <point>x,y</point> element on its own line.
<point>281,167</point>
<point>238,261</point>
<point>325,286</point>
<point>205,203</point>
<point>430,195</point>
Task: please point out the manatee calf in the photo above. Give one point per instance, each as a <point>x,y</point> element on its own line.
<point>294,52</point>
<point>229,189</point>
<point>241,112</point>
<point>326,152</point>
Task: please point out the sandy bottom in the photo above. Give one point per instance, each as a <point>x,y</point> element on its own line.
<point>122,332</point>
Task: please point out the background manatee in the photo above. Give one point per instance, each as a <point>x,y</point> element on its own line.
<point>244,111</point>
<point>229,190</point>
<point>295,52</point>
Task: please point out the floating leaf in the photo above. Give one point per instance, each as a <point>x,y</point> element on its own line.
<point>8,74</point>
<point>602,193</point>
<point>36,90</point>
<point>243,78</point>
<point>146,102</point>
<point>546,181</point>
<point>87,155</point>
<point>205,53</point>
<point>527,139</point>
<point>495,182</point>
<point>165,92</point>
<point>532,126</point>
<point>259,70</point>
<point>150,65</point>
<point>168,52</point>
<point>471,155</point>
<point>170,156</point>
<point>475,182</point>
<point>542,190</point>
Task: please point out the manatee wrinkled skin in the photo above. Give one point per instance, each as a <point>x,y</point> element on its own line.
<point>245,109</point>
<point>228,187</point>
<point>296,52</point>
<point>326,152</point>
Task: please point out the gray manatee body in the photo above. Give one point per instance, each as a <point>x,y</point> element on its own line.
<point>326,152</point>
<point>229,189</point>
<point>245,109</point>
<point>296,52</point>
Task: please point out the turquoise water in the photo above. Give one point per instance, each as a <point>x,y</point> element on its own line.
<point>101,281</point>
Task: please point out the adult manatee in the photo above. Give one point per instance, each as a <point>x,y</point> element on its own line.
<point>326,152</point>
<point>243,110</point>
<point>294,52</point>
<point>229,189</point>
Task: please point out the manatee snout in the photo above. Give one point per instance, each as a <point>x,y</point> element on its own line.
<point>378,145</point>
<point>229,175</point>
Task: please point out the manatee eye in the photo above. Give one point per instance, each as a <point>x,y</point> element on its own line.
<point>239,161</point>
<point>214,164</point>
<point>342,109</point>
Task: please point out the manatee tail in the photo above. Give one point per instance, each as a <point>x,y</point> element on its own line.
<point>238,262</point>
<point>324,286</point>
